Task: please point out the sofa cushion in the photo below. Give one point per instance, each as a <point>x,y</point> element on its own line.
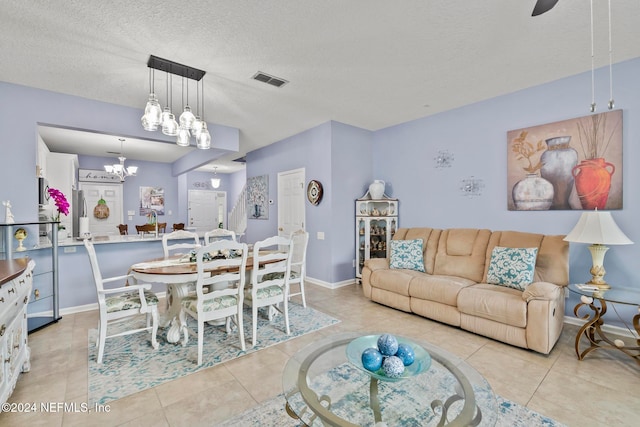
<point>498,303</point>
<point>461,252</point>
<point>393,280</point>
<point>407,254</point>
<point>512,267</point>
<point>442,289</point>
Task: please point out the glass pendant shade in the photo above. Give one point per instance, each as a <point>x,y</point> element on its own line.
<point>197,126</point>
<point>187,118</point>
<point>203,139</point>
<point>183,136</point>
<point>147,125</point>
<point>153,111</point>
<point>169,124</point>
<point>132,170</point>
<point>215,182</point>
<point>108,168</point>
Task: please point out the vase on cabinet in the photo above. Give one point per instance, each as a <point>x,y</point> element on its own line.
<point>558,162</point>
<point>376,189</point>
<point>593,182</point>
<point>532,193</point>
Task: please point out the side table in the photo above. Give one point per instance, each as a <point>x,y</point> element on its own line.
<point>592,329</point>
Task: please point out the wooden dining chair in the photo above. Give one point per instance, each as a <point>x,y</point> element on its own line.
<point>124,229</point>
<point>178,226</point>
<point>217,296</point>
<point>162,227</point>
<point>269,280</point>
<point>116,304</point>
<point>188,240</point>
<point>146,228</point>
<point>217,234</point>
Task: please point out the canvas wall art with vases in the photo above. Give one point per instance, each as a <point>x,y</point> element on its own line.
<point>572,164</point>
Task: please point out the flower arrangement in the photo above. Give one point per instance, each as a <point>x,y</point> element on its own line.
<point>62,205</point>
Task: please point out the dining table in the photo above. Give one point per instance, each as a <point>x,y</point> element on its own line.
<point>179,273</point>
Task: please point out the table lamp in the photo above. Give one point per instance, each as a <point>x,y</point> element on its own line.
<point>599,229</point>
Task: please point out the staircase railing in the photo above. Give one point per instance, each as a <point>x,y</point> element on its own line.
<point>238,215</point>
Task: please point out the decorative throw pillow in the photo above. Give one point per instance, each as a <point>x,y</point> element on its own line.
<point>407,254</point>
<point>512,267</point>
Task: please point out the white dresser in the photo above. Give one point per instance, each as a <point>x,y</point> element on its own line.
<point>16,277</point>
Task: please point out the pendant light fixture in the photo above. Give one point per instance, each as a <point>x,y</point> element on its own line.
<point>611,102</point>
<point>169,124</point>
<point>215,181</point>
<point>187,118</point>
<point>152,111</point>
<point>118,168</point>
<point>203,138</point>
<point>188,124</point>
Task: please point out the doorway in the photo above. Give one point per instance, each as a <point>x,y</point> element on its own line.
<point>207,210</point>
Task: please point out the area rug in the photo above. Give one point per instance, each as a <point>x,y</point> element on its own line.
<point>414,402</point>
<point>130,364</point>
<point>271,413</point>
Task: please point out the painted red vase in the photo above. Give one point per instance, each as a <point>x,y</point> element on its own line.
<point>593,182</point>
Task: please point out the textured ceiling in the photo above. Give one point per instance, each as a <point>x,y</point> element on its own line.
<point>368,63</point>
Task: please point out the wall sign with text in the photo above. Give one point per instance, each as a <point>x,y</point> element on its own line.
<point>91,175</point>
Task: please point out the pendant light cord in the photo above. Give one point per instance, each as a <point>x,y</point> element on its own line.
<point>610,105</point>
<point>593,95</point>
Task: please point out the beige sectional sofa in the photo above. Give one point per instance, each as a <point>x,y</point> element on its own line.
<point>453,288</point>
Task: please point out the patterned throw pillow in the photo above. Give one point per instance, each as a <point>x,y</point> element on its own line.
<point>407,254</point>
<point>512,267</point>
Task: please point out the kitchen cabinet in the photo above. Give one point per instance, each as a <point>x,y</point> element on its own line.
<point>62,174</point>
<point>376,223</point>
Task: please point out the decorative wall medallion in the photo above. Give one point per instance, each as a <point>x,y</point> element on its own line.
<point>314,192</point>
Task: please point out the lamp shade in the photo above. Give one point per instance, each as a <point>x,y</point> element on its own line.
<point>597,227</point>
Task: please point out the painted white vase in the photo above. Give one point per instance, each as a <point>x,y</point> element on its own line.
<point>376,189</point>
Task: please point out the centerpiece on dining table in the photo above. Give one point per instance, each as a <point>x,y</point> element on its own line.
<point>192,256</point>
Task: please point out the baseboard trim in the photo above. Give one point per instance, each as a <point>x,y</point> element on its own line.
<point>610,329</point>
<point>328,285</point>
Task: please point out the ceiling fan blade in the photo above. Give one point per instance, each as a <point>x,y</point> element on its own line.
<point>543,6</point>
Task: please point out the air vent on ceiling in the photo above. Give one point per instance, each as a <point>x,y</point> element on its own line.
<point>272,80</point>
<point>242,159</point>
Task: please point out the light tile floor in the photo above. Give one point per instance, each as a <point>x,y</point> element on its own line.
<point>602,390</point>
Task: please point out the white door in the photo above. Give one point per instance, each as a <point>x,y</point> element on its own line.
<point>112,195</point>
<point>291,196</point>
<point>203,210</point>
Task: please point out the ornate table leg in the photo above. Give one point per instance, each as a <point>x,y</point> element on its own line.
<point>592,330</point>
<point>175,293</point>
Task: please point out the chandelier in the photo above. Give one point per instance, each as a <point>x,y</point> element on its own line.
<point>188,124</point>
<point>118,168</point>
<point>215,181</point>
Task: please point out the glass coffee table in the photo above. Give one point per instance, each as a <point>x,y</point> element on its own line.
<point>323,388</point>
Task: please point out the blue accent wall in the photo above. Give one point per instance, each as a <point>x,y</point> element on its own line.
<point>345,159</point>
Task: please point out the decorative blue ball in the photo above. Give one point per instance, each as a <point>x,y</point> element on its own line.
<point>406,354</point>
<point>371,359</point>
<point>387,344</point>
<point>393,367</point>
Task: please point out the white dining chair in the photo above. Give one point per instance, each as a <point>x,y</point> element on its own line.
<point>179,235</point>
<point>300,239</point>
<point>217,234</point>
<point>219,295</point>
<point>269,280</point>
<point>117,304</point>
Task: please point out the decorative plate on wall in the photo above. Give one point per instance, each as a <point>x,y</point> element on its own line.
<point>314,192</point>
